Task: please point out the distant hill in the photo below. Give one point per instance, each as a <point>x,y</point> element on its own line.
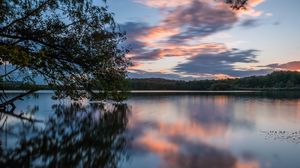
<point>275,80</point>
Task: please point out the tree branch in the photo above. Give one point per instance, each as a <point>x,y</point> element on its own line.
<point>36,10</point>
<point>9,72</point>
<point>30,39</point>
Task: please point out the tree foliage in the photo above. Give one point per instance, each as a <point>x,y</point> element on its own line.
<point>237,4</point>
<point>275,80</point>
<point>71,44</point>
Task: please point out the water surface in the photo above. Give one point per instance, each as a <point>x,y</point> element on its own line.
<point>159,130</point>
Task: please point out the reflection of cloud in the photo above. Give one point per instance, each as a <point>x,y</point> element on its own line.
<point>199,155</point>
<point>156,143</point>
<point>196,138</point>
<point>182,153</point>
<point>191,131</point>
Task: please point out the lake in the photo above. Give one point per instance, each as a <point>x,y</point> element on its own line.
<point>157,130</point>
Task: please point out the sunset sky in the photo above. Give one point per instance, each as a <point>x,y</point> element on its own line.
<point>205,39</point>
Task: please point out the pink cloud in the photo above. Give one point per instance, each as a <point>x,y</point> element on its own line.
<point>290,66</point>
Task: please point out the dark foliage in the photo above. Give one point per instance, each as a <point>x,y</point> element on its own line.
<point>70,44</point>
<point>275,80</point>
<point>237,4</point>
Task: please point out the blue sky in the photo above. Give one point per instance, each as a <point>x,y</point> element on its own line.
<point>205,39</point>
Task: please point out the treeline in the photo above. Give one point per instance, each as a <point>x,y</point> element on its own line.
<point>275,80</point>
<point>289,80</point>
<point>22,86</point>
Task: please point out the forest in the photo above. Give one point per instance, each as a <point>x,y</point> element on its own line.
<point>284,80</point>
<point>275,80</point>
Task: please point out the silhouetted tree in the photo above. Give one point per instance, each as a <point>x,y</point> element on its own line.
<point>71,44</point>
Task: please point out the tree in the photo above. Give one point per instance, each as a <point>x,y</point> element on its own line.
<point>71,44</point>
<point>237,4</point>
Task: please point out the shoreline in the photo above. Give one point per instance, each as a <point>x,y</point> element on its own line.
<point>175,91</point>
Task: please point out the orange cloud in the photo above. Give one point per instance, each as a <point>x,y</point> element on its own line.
<point>157,33</point>
<point>250,11</point>
<point>223,76</point>
<point>249,164</point>
<point>254,3</point>
<point>290,66</point>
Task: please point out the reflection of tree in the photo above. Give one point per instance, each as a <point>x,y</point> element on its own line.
<point>7,108</point>
<point>76,136</point>
<point>292,137</point>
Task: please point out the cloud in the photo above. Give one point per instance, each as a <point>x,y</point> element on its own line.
<point>178,27</point>
<point>249,23</point>
<point>269,14</point>
<point>143,45</point>
<point>276,23</point>
<point>167,4</point>
<point>221,63</point>
<point>290,66</point>
<point>163,3</point>
<point>145,74</point>
<point>253,3</point>
<point>199,19</point>
<point>180,51</point>
<point>176,3</point>
<point>181,32</point>
<point>183,23</point>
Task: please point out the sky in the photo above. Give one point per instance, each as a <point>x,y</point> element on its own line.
<point>206,39</point>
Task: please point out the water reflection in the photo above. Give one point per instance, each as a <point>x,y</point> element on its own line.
<point>232,130</point>
<point>279,135</point>
<point>74,136</point>
<point>224,131</point>
<point>192,135</point>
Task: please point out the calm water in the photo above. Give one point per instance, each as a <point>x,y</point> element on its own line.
<point>158,130</point>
